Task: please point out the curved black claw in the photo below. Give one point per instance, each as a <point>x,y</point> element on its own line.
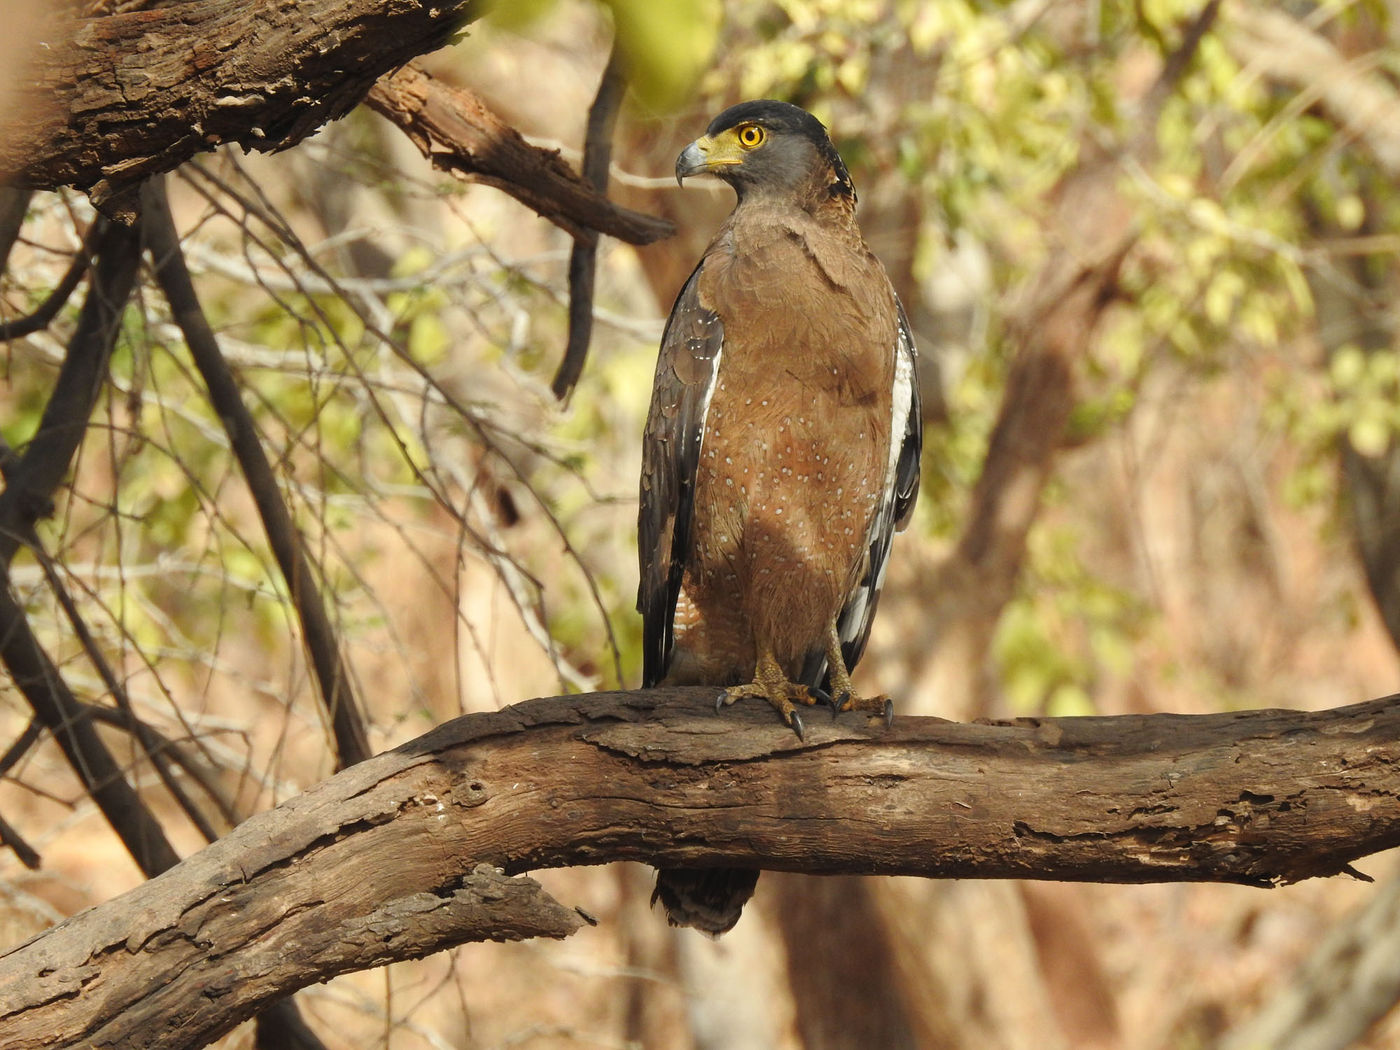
<point>719,700</point>
<point>889,713</point>
<point>820,694</point>
<point>839,703</point>
<point>795,720</point>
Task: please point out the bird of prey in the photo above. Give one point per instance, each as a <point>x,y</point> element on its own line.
<point>781,450</point>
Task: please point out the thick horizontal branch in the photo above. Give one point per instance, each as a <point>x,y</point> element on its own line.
<point>396,857</point>
<point>110,100</point>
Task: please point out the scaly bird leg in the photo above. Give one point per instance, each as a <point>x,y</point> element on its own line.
<point>843,697</point>
<point>770,683</point>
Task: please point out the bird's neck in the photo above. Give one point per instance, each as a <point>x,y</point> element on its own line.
<point>830,201</point>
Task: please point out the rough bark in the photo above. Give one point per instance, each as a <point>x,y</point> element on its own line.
<point>459,134</point>
<point>113,99</point>
<point>384,860</point>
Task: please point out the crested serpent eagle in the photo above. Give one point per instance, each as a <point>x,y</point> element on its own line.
<point>781,450</point>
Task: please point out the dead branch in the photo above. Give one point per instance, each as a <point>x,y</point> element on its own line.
<point>393,858</point>
<point>459,134</point>
<point>113,99</point>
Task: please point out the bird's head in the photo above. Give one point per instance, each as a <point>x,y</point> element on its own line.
<point>767,146</point>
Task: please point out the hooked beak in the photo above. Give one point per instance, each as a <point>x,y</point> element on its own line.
<point>706,155</point>
<point>692,160</point>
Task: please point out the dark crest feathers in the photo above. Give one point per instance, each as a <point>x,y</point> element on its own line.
<point>785,117</point>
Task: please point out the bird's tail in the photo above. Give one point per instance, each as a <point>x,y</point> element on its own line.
<point>706,899</point>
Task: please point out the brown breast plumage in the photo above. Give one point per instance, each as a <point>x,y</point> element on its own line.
<point>796,440</point>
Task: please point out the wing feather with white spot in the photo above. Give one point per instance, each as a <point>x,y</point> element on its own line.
<point>686,368</point>
<point>898,496</point>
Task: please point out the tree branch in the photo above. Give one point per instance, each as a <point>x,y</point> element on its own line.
<point>64,716</point>
<point>322,647</point>
<point>214,71</point>
<point>46,311</point>
<point>1257,797</point>
<point>456,131</point>
<point>32,479</point>
<point>583,257</point>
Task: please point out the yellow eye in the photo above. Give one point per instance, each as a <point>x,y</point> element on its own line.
<point>750,136</point>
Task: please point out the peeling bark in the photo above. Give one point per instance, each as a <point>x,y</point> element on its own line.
<point>394,858</point>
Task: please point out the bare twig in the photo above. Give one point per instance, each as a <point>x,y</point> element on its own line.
<point>72,728</point>
<point>31,480</point>
<point>32,734</point>
<point>27,854</point>
<point>152,745</point>
<point>55,300</point>
<point>154,742</point>
<point>323,649</point>
<point>597,159</point>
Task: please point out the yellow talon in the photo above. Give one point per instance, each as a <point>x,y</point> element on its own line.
<point>771,684</point>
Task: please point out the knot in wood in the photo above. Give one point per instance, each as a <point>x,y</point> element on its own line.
<point>470,793</point>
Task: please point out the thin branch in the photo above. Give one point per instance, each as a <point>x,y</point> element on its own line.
<point>322,646</point>
<point>14,841</point>
<point>70,723</point>
<point>459,134</point>
<point>155,743</point>
<point>416,841</point>
<point>31,480</point>
<point>34,477</point>
<point>597,159</point>
<point>55,300</point>
<point>32,734</point>
<point>14,203</point>
<point>152,745</point>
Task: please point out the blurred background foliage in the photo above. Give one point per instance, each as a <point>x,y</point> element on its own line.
<point>1210,537</point>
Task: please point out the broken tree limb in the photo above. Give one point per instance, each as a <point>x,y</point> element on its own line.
<point>458,133</point>
<point>395,858</point>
